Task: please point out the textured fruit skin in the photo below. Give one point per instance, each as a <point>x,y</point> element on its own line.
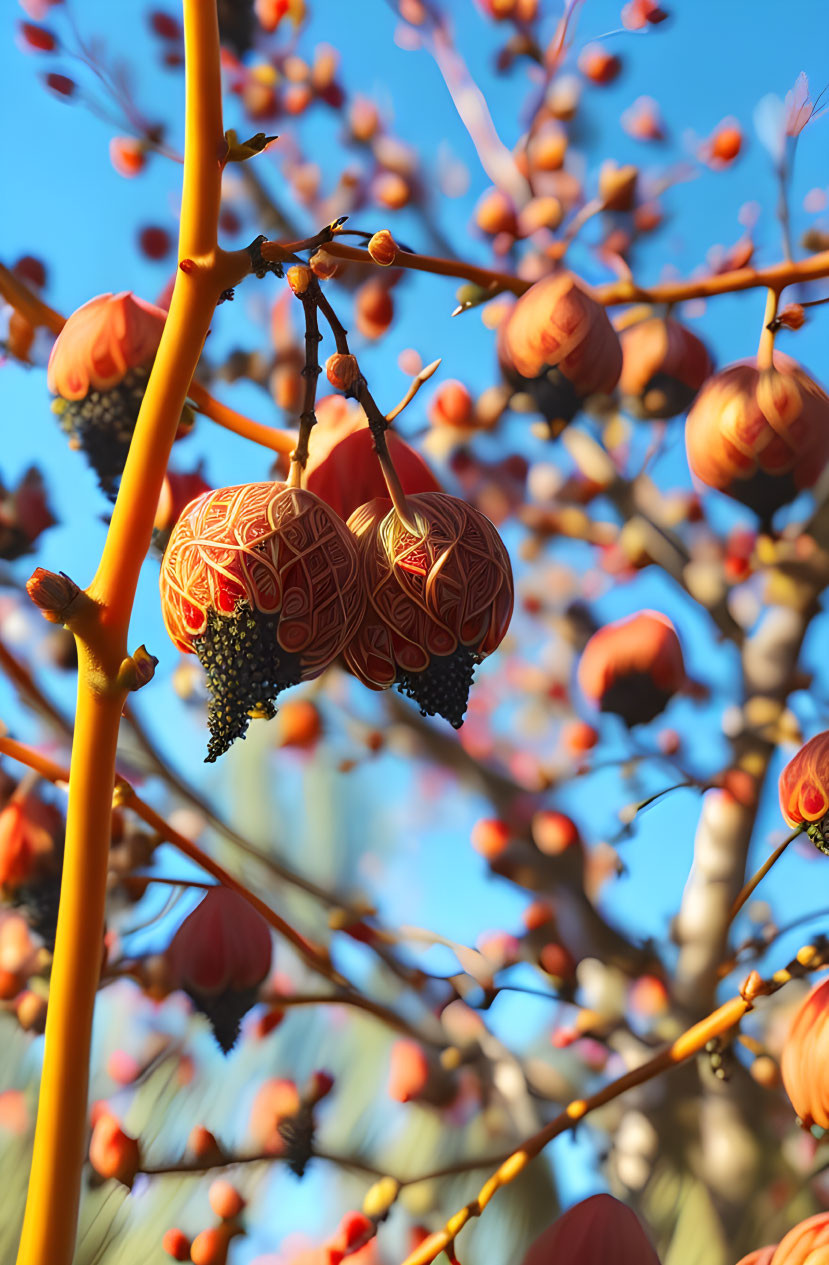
<point>804,783</point>
<point>558,345</point>
<point>760,436</point>
<point>804,1066</point>
<point>437,602</point>
<point>807,1243</point>
<point>633,666</point>
<point>261,582</point>
<point>663,367</point>
<point>598,1231</point>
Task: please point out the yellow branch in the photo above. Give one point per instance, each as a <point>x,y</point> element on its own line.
<point>101,626</point>
<point>690,1043</point>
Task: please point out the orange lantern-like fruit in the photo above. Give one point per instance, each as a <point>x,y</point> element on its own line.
<point>439,596</point>
<point>597,1231</point>
<point>803,1065</point>
<point>759,435</point>
<point>261,582</point>
<point>558,347</point>
<point>633,667</point>
<point>807,1243</point>
<point>219,956</point>
<point>342,465</point>
<point>98,371</point>
<point>663,367</point>
<point>804,790</point>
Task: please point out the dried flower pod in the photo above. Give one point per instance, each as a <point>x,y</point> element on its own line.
<point>598,65</point>
<point>383,248</point>
<point>98,370</point>
<point>558,346</point>
<point>804,790</point>
<point>439,599</point>
<point>342,465</point>
<point>219,956</point>
<point>633,667</point>
<point>617,185</point>
<point>259,581</point>
<point>663,367</point>
<point>759,435</point>
<point>342,371</point>
<point>597,1231</point>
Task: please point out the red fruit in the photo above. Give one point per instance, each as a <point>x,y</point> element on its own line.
<point>553,833</point>
<point>261,582</point>
<point>490,837</point>
<point>269,13</point>
<point>663,367</point>
<point>178,490</point>
<point>373,309</point>
<point>155,242</point>
<point>202,1145</point>
<point>594,1232</point>
<point>101,341</point>
<point>113,1153</point>
<point>176,1244</point>
<point>342,466</point>
<point>225,1199</point>
<point>441,596</point>
<point>298,723</point>
<point>759,435</point>
<point>38,37</point>
<point>557,961</point>
<point>220,955</point>
<point>725,144</point>
<point>210,1247</point>
<point>409,1071</point>
<point>276,1100</point>
<point>164,25</point>
<point>495,213</point>
<point>633,667</point>
<point>31,270</point>
<point>598,65</point>
<point>558,346</point>
<point>127,155</point>
<point>61,84</point>
<point>579,737</point>
<point>452,405</point>
<point>29,830</point>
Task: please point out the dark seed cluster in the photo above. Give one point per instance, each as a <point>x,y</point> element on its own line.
<point>297,1132</point>
<point>225,1013</point>
<point>245,672</point>
<point>636,698</point>
<point>236,25</point>
<point>443,688</point>
<point>102,425</point>
<point>38,902</point>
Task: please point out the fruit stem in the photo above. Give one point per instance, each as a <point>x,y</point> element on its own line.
<point>765,351</point>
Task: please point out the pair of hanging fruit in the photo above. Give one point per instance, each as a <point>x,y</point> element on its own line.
<point>268,585</point>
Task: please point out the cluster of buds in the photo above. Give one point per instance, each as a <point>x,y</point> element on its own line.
<point>220,956</point>
<point>98,372</point>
